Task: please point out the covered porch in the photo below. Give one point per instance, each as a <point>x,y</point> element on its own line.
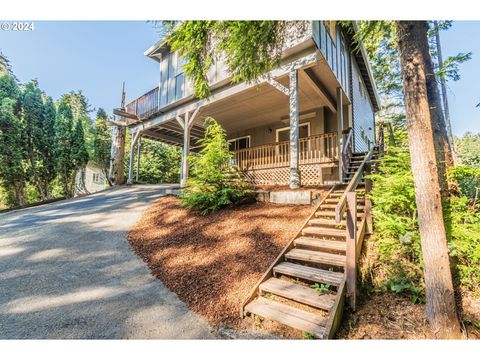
<point>283,130</point>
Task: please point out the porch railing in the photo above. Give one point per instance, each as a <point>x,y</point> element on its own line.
<point>146,105</point>
<point>314,149</point>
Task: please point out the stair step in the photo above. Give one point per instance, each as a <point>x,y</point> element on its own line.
<point>326,222</point>
<point>319,231</point>
<point>298,293</point>
<point>333,206</point>
<point>332,213</point>
<point>322,244</point>
<point>309,273</point>
<point>299,319</point>
<point>328,206</point>
<point>317,257</point>
<point>332,201</point>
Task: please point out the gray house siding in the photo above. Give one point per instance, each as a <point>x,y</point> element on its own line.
<point>363,114</point>
<point>267,134</point>
<point>335,50</point>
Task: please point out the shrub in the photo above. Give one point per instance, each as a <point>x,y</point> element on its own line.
<point>393,260</point>
<point>214,181</point>
<point>395,251</point>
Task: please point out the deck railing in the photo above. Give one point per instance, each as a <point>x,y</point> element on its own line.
<point>146,105</point>
<point>314,149</point>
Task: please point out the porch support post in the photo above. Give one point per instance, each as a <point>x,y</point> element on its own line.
<point>340,132</point>
<point>185,152</point>
<point>134,136</point>
<point>294,133</point>
<point>186,124</point>
<point>139,145</point>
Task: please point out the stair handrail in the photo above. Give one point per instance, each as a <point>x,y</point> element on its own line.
<point>347,150</point>
<point>352,185</point>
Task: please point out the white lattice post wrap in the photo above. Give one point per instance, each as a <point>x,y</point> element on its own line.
<point>139,152</point>
<point>294,133</point>
<point>134,136</point>
<point>130,163</point>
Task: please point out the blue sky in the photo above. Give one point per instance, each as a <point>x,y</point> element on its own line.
<point>96,57</point>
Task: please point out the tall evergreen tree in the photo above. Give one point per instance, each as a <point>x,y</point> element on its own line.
<point>81,110</point>
<point>12,140</point>
<point>47,144</point>
<point>79,154</point>
<point>64,147</point>
<point>32,117</point>
<point>12,155</point>
<point>5,68</point>
<point>102,141</point>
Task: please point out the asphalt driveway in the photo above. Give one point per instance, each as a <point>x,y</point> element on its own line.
<point>66,271</point>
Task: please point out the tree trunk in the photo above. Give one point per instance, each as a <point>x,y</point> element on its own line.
<point>443,149</point>
<point>440,302</point>
<point>117,172</point>
<point>19,187</point>
<point>42,188</point>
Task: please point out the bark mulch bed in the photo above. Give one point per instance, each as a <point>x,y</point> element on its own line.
<point>390,316</point>
<point>212,262</point>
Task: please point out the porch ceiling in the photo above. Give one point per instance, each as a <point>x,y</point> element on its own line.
<point>257,106</point>
<point>260,105</point>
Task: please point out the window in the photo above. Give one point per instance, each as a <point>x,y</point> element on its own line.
<point>283,134</point>
<point>179,86</point>
<point>97,178</point>
<point>180,78</point>
<point>239,143</point>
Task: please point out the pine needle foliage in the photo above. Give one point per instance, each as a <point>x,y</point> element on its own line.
<point>214,182</point>
<point>249,48</point>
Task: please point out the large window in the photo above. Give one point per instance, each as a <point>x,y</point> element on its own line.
<point>239,143</point>
<point>283,134</point>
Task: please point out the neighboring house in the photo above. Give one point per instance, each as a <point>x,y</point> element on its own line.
<point>295,126</point>
<point>90,180</point>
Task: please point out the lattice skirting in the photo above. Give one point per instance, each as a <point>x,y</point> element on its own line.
<point>309,175</point>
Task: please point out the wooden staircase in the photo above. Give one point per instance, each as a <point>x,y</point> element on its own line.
<point>305,287</point>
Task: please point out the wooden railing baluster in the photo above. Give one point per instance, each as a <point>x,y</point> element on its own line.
<point>312,150</point>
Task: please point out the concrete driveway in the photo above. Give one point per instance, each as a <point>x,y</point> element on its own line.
<point>66,271</point>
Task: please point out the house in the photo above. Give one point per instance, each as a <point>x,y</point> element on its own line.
<point>297,125</point>
<point>308,122</point>
<point>90,179</point>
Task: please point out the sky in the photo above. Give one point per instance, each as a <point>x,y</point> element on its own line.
<point>96,57</point>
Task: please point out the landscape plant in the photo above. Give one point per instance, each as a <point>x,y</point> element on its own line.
<point>214,181</point>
